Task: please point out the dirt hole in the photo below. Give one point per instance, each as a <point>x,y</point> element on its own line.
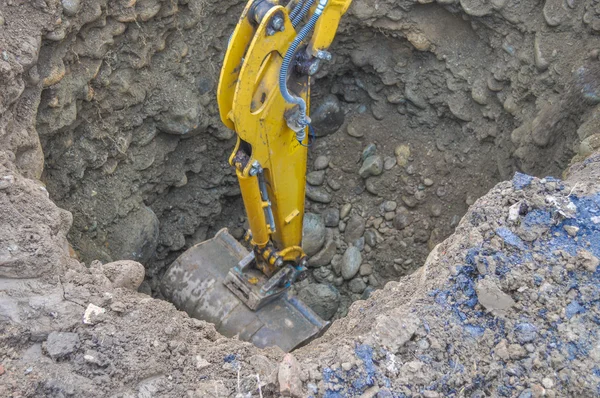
<point>410,133</point>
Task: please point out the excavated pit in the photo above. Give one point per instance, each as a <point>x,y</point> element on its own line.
<point>114,101</point>
<point>421,112</point>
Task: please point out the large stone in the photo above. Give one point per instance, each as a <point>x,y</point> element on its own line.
<point>126,274</point>
<point>491,297</point>
<point>60,345</point>
<point>351,262</point>
<point>324,299</point>
<point>288,376</point>
<point>372,166</point>
<point>71,7</point>
<point>394,330</point>
<point>354,229</point>
<point>313,233</point>
<point>317,194</point>
<point>326,254</point>
<point>135,237</point>
<point>328,117</point>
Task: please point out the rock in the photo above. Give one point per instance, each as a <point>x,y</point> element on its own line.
<point>373,281</point>
<point>324,257</point>
<point>290,384</point>
<point>328,117</point>
<point>389,205</point>
<point>359,243</point>
<point>334,184</point>
<point>351,262</point>
<point>366,269</point>
<point>91,313</point>
<point>324,299</point>
<point>402,153</point>
<point>118,307</point>
<point>428,182</point>
<point>547,382</point>
<point>370,238</point>
<point>554,12</point>
<point>6,182</point>
<point>126,274</point>
<point>336,264</point>
<point>389,163</point>
<point>571,230</point>
<point>436,209</point>
<point>372,166</point>
<point>321,163</point>
<point>525,332</point>
<point>313,233</point>
<point>134,237</point>
<point>323,275</point>
<point>476,8</point>
<point>354,131</point>
<point>71,7</point>
<point>368,151</point>
<point>516,351</point>
<point>541,62</point>
<point>357,285</point>
<point>491,297</point>
<point>393,330</point>
<point>331,216</point>
<point>317,194</point>
<point>418,40</point>
<point>316,178</point>
<point>201,363</point>
<point>61,344</point>
<point>354,229</point>
<point>402,220</point>
<point>367,293</point>
<point>587,260</point>
<point>501,350</point>
<point>589,145</point>
<point>345,210</point>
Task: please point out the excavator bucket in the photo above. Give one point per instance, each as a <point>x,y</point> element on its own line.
<point>195,283</point>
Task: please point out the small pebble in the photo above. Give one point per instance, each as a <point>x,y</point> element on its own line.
<point>547,382</point>
<point>345,211</point>
<point>571,230</point>
<point>321,162</point>
<point>353,131</point>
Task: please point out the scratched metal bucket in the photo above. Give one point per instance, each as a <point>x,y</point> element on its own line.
<point>194,283</point>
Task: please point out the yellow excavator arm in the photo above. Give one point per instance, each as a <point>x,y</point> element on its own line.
<point>263,95</point>
<point>265,80</point>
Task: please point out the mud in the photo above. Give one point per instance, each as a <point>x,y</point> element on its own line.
<point>425,107</point>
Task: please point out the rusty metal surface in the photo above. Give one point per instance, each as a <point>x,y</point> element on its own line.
<point>194,283</point>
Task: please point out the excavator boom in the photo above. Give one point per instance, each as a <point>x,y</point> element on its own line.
<point>263,95</point>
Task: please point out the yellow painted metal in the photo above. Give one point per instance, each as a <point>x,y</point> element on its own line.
<point>254,209</point>
<point>250,103</point>
<point>327,25</point>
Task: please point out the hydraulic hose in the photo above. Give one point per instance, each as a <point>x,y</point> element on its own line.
<point>285,69</point>
<point>299,17</point>
<point>296,9</point>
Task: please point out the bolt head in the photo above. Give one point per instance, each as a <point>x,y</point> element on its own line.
<point>277,23</point>
<point>314,67</point>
